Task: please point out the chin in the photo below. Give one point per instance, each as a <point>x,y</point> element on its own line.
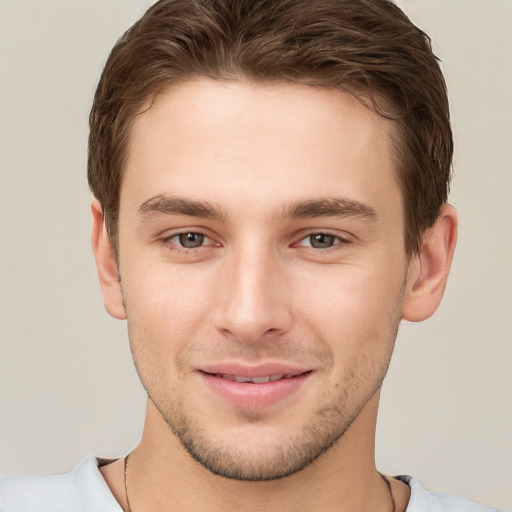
<point>255,451</point>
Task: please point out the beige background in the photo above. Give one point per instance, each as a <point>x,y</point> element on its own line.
<point>67,385</point>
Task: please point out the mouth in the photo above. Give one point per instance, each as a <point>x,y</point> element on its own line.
<point>254,388</point>
<point>258,380</point>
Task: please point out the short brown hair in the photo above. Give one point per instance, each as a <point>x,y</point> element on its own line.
<point>366,47</point>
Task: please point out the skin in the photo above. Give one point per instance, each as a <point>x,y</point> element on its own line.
<point>290,198</point>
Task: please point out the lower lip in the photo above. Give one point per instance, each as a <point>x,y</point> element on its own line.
<point>250,395</point>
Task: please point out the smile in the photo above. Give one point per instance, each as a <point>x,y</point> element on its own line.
<point>255,380</point>
<point>256,388</point>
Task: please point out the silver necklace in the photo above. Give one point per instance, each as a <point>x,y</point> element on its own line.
<point>388,485</point>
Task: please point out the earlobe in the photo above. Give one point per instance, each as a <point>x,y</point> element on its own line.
<point>106,264</point>
<point>428,270</point>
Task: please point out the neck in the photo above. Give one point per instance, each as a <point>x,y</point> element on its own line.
<point>162,476</point>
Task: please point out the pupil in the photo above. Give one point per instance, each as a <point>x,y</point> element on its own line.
<point>191,240</point>
<point>322,241</point>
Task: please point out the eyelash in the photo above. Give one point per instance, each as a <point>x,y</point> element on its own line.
<point>338,241</point>
<point>168,241</point>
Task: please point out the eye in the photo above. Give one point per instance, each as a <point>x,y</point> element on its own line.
<point>321,241</point>
<point>190,240</point>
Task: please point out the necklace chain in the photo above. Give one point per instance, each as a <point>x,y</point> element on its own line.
<point>125,483</point>
<point>388,485</point>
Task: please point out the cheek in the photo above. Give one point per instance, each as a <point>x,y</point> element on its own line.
<point>355,305</point>
<point>164,313</point>
<point>356,316</point>
<point>165,306</point>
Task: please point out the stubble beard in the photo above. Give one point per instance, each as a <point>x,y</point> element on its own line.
<point>275,461</point>
<point>284,456</point>
<point>296,450</point>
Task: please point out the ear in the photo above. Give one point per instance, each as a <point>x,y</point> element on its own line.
<point>106,264</point>
<point>428,270</point>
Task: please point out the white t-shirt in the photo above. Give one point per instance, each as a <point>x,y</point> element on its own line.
<point>85,490</point>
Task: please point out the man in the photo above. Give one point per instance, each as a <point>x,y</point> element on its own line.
<point>270,183</point>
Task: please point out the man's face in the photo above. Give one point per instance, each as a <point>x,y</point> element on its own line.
<point>260,240</point>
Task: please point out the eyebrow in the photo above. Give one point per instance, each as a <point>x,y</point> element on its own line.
<point>174,205</point>
<point>306,208</point>
<point>328,207</point>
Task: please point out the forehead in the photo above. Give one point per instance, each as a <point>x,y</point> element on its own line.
<point>267,143</point>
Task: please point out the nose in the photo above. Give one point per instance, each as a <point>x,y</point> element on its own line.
<point>253,299</point>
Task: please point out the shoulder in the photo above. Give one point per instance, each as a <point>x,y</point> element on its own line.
<point>422,500</point>
<point>82,489</point>
<point>38,493</point>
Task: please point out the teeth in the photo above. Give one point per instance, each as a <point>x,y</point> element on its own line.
<point>255,380</point>
<point>228,377</point>
<point>258,380</point>
<point>242,379</point>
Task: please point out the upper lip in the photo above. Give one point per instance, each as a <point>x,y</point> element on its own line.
<point>253,370</point>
